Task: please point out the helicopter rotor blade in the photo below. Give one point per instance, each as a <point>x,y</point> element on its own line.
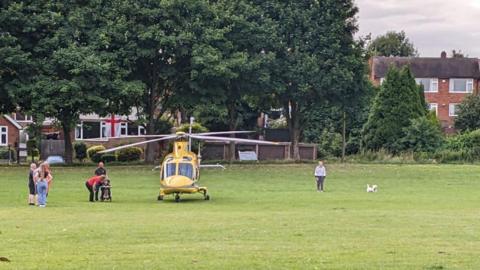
<point>125,137</point>
<point>228,139</point>
<point>223,132</point>
<point>170,137</point>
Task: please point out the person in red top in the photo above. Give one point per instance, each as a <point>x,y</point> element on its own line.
<point>93,185</point>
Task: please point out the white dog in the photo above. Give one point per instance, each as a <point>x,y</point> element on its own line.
<point>372,188</point>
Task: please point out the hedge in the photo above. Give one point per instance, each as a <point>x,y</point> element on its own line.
<point>129,154</point>
<point>93,155</point>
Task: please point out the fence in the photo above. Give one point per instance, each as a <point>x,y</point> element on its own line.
<point>8,155</point>
<point>220,150</point>
<point>52,148</point>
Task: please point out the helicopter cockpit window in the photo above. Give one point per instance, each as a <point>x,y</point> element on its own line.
<point>185,169</point>
<point>170,169</point>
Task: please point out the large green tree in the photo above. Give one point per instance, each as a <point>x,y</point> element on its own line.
<point>233,67</point>
<point>155,41</point>
<point>317,57</point>
<point>398,102</point>
<point>392,44</point>
<point>67,74</point>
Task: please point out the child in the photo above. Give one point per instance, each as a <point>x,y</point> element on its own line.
<point>31,184</point>
<point>105,189</point>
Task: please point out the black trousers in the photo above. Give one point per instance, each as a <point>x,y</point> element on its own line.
<point>93,190</point>
<point>320,180</point>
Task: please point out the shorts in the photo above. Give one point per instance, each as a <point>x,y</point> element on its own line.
<point>31,189</point>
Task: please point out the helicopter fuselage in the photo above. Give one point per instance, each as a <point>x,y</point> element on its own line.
<point>180,172</point>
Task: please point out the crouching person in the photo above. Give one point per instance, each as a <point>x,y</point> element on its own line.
<point>93,185</point>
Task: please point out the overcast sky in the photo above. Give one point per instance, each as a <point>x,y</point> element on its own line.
<point>432,25</point>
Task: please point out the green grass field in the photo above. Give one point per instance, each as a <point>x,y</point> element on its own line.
<point>260,217</point>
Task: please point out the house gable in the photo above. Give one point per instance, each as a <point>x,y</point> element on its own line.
<point>12,130</point>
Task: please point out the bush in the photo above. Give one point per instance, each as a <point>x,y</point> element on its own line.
<point>129,154</point>
<point>80,151</point>
<point>93,154</point>
<point>445,156</point>
<point>464,141</point>
<point>108,158</point>
<point>423,135</point>
<point>330,144</point>
<point>4,153</point>
<point>32,148</point>
<point>196,128</point>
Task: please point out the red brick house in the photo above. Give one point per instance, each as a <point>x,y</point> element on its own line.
<point>446,81</point>
<point>10,131</point>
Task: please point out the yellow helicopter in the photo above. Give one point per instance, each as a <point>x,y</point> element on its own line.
<point>180,170</point>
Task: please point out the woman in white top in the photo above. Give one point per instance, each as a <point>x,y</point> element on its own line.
<point>320,174</point>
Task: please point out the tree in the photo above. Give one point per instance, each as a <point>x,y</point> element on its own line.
<point>234,67</point>
<point>154,41</point>
<point>397,103</point>
<point>392,44</point>
<point>317,58</point>
<point>467,116</point>
<point>457,54</point>
<point>423,135</point>
<point>65,67</point>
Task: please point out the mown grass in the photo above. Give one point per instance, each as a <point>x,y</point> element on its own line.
<point>260,217</point>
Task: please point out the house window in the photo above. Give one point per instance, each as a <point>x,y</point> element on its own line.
<point>104,130</point>
<point>90,130</point>
<point>433,107</point>
<point>79,132</point>
<point>123,129</point>
<point>453,109</point>
<point>141,130</point>
<point>22,117</point>
<point>3,135</point>
<point>133,129</point>
<point>430,85</point>
<point>461,85</point>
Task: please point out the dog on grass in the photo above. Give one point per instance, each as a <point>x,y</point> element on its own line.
<point>372,188</point>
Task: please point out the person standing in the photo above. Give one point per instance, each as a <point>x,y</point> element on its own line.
<point>93,185</point>
<point>48,175</point>
<point>42,179</point>
<point>100,169</point>
<point>31,184</point>
<point>320,174</point>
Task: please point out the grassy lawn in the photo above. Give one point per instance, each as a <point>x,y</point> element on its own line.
<point>260,217</point>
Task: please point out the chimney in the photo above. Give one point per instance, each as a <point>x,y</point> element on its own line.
<point>443,54</point>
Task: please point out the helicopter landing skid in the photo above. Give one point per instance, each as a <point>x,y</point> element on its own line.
<point>178,191</point>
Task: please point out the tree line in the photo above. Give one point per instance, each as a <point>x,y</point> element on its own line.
<point>61,59</point>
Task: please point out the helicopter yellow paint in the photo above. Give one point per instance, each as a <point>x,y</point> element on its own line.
<point>180,172</point>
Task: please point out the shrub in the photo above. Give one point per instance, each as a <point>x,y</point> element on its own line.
<point>4,153</point>
<point>129,154</point>
<point>80,151</point>
<point>330,144</point>
<point>108,158</point>
<point>32,148</point>
<point>93,154</point>
<point>423,135</point>
<point>464,141</point>
<point>445,156</point>
<point>196,128</point>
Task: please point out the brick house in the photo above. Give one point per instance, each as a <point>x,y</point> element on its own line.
<point>446,81</point>
<point>10,131</point>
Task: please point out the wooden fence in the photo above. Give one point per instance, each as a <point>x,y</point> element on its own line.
<point>219,151</point>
